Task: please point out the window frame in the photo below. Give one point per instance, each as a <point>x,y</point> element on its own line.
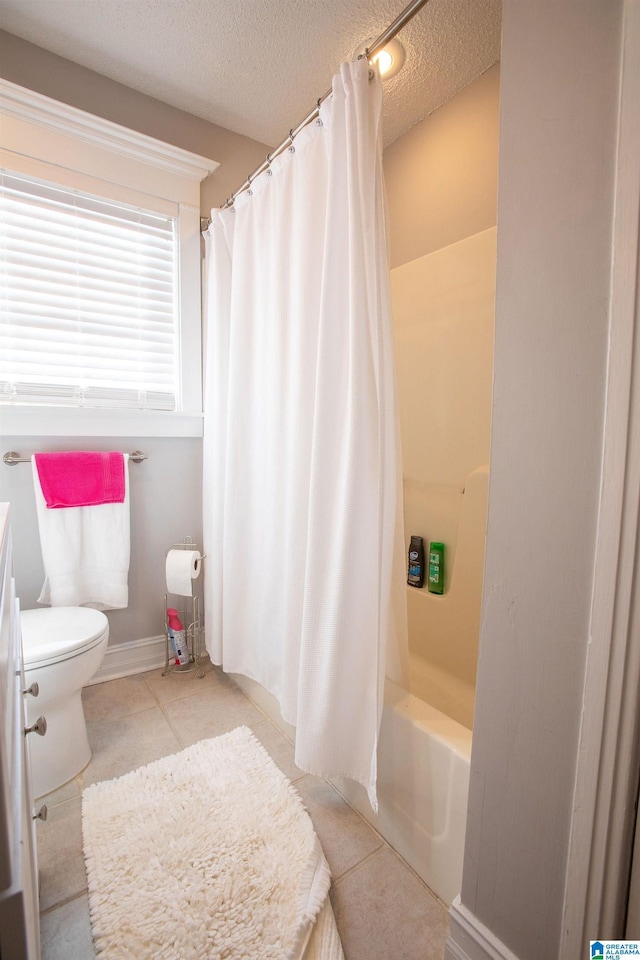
<point>55,142</point>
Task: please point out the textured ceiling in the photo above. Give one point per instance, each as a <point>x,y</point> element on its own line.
<point>257,66</point>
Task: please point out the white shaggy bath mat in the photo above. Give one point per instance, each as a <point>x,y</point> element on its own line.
<point>208,853</point>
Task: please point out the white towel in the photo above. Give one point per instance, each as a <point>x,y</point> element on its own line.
<point>85,551</point>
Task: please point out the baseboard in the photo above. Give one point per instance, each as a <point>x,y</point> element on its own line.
<point>135,656</point>
<point>471,940</point>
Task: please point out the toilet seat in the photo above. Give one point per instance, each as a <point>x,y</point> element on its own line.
<point>58,633</point>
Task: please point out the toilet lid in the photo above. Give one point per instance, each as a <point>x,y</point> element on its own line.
<point>55,633</point>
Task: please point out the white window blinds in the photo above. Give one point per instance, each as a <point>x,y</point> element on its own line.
<point>88,300</point>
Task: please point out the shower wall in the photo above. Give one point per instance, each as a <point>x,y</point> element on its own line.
<point>441,182</point>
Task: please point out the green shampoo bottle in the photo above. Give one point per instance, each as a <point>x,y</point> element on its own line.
<point>436,568</point>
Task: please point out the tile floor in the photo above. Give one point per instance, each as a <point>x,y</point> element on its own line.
<point>382,909</point>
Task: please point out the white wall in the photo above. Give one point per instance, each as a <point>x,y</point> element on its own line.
<point>559,90</point>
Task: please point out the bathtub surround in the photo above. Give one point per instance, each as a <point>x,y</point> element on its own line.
<point>305,579</point>
<point>239,868</point>
<point>443,308</point>
<point>441,179</point>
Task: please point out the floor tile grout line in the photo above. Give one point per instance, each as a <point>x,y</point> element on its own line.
<point>174,730</point>
<point>417,876</point>
<point>124,716</point>
<point>59,803</point>
<point>63,903</point>
<point>167,703</point>
<point>134,712</point>
<point>372,855</point>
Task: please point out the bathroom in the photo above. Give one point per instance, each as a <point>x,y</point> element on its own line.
<point>170,476</point>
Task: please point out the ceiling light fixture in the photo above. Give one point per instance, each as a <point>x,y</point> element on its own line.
<point>390,59</point>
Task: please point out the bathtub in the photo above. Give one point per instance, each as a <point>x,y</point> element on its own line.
<point>423,781</point>
<point>424,748</point>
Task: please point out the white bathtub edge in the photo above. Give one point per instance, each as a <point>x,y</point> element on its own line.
<point>443,728</point>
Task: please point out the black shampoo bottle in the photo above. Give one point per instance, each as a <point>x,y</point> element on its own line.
<point>415,575</point>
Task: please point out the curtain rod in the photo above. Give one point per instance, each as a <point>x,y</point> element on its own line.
<point>401,20</point>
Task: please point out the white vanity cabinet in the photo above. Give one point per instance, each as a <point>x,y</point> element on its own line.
<point>19,913</point>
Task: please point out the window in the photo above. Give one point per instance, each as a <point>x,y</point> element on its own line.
<point>100,329</point>
<point>88,309</point>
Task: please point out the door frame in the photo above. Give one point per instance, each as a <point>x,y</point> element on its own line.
<point>606,784</point>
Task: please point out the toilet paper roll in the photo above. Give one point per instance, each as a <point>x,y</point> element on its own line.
<point>182,568</point>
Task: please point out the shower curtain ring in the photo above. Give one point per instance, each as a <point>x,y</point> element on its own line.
<point>292,149</point>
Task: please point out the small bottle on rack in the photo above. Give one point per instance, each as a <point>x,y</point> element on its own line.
<point>436,568</point>
<point>177,636</point>
<point>415,572</point>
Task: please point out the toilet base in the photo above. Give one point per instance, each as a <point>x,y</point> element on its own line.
<point>64,751</point>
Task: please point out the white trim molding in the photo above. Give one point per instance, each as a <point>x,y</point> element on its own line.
<point>135,656</point>
<point>471,940</point>
<point>28,421</point>
<point>51,141</point>
<point>126,659</point>
<point>25,104</point>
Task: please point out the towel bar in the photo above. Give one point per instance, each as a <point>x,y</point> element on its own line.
<point>11,457</point>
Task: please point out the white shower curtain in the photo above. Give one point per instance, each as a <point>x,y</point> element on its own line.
<point>304,585</point>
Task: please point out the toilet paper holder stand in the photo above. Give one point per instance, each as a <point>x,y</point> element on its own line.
<point>189,610</point>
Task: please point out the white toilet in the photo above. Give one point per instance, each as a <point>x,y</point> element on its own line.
<point>62,648</point>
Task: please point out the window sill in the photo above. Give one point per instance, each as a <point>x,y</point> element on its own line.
<point>83,422</point>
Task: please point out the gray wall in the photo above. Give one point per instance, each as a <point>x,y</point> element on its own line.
<point>166,506</point>
<point>559,90</point>
<point>166,495</point>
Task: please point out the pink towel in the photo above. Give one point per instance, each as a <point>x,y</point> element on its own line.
<point>80,479</point>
